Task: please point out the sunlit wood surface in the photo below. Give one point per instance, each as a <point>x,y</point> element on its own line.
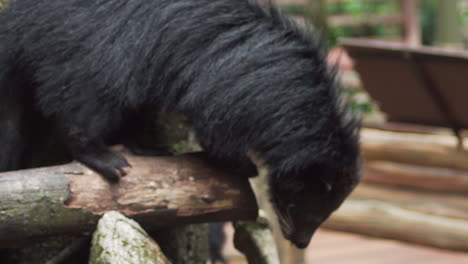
<point>330,247</point>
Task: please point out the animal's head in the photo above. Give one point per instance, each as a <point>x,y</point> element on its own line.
<point>304,200</point>
<point>316,163</point>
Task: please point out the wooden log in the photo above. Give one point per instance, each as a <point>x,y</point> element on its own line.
<point>411,148</point>
<point>406,128</point>
<point>69,253</point>
<point>158,192</point>
<point>418,177</point>
<point>385,220</point>
<point>255,240</point>
<point>440,204</point>
<point>184,244</point>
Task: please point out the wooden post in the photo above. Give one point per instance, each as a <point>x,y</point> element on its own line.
<point>412,29</point>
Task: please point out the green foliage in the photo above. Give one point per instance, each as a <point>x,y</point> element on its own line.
<point>360,10</point>
<point>356,103</point>
<point>464,15</point>
<point>363,30</point>
<point>428,21</point>
<point>3,3</point>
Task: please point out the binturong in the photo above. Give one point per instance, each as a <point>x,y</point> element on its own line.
<point>248,79</point>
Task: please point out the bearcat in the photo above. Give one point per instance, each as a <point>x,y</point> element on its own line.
<point>254,86</point>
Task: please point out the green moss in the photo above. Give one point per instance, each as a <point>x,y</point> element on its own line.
<point>3,3</point>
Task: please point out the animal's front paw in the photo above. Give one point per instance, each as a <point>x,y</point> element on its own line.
<point>112,165</point>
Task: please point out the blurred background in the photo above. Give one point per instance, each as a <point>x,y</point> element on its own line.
<point>404,65</point>
<point>427,22</point>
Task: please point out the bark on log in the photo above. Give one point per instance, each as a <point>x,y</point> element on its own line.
<point>417,149</point>
<point>385,220</point>
<point>417,177</point>
<point>158,192</point>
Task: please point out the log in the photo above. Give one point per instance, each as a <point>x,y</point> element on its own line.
<point>439,204</point>
<point>70,251</point>
<point>414,189</point>
<point>158,192</point>
<point>385,220</point>
<point>184,244</point>
<point>118,239</point>
<point>412,148</point>
<point>417,177</point>
<point>407,128</point>
<point>56,250</point>
<point>255,240</point>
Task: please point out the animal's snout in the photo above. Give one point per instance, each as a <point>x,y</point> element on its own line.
<point>302,244</point>
<point>302,239</point>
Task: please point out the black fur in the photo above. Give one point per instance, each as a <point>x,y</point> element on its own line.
<point>248,79</point>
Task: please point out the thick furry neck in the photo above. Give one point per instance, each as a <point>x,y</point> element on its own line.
<point>264,84</point>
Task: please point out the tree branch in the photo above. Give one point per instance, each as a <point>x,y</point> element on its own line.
<point>158,192</point>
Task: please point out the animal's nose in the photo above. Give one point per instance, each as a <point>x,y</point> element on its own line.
<point>302,244</point>
<point>302,239</point>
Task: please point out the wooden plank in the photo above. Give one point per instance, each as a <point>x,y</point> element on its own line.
<point>416,177</point>
<point>372,251</point>
<point>430,203</point>
<point>367,250</point>
<point>414,149</point>
<point>347,20</point>
<point>383,219</point>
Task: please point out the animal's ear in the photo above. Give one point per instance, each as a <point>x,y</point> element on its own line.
<point>327,177</point>
<point>322,174</point>
<point>326,182</point>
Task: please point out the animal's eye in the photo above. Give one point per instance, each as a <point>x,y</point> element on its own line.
<point>290,208</point>
<point>312,218</point>
<point>327,187</point>
<point>326,181</point>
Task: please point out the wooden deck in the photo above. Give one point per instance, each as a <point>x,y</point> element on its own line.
<point>328,247</point>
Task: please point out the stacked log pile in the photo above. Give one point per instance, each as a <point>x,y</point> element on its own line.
<point>414,188</point>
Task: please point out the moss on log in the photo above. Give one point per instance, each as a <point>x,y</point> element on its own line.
<point>120,240</point>
<point>70,199</point>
